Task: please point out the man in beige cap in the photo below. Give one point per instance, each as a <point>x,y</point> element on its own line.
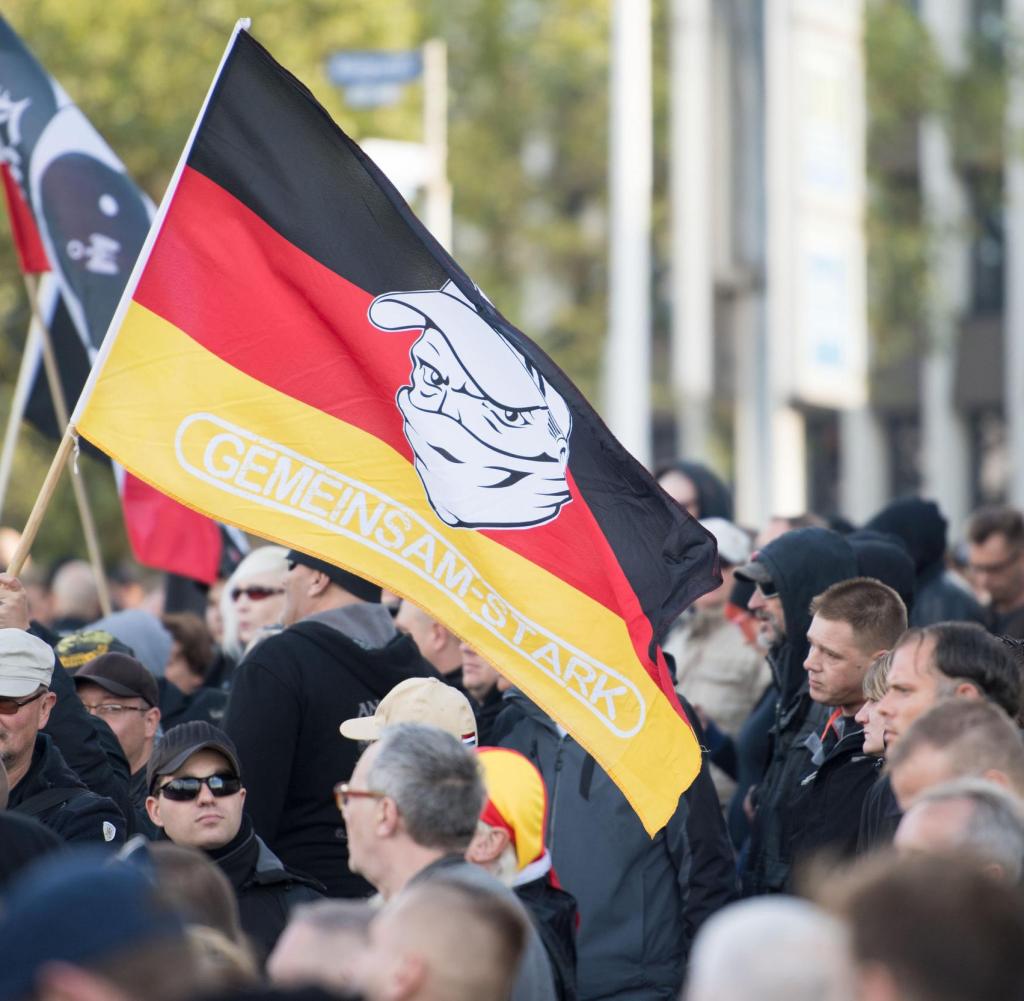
<point>417,700</point>
<point>42,784</point>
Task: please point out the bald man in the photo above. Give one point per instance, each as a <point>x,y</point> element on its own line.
<point>443,940</point>
<point>436,644</point>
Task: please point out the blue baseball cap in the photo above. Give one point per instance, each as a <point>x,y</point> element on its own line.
<point>79,907</point>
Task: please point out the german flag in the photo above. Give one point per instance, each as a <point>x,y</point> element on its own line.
<point>296,355</point>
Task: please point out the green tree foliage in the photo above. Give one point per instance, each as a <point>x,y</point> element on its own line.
<point>528,82</point>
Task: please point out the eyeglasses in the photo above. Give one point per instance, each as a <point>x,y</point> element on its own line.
<point>986,568</point>
<point>343,793</point>
<point>187,787</point>
<point>255,593</point>
<point>767,589</point>
<point>9,707</point>
<point>113,709</point>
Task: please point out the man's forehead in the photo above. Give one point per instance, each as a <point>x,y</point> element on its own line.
<point>206,758</point>
<point>913,659</point>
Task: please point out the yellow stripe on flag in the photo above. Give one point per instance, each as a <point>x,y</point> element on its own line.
<point>220,441</point>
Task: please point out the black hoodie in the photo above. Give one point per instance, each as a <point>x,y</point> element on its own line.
<point>803,563</point>
<point>288,698</point>
<point>922,528</point>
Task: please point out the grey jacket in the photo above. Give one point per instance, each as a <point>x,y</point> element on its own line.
<point>535,981</point>
<point>631,889</point>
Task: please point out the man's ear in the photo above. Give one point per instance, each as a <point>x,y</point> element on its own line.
<point>487,846</point>
<point>388,818</point>
<point>151,717</point>
<point>46,704</point>
<point>967,690</point>
<point>408,976</point>
<point>153,809</point>
<point>319,583</point>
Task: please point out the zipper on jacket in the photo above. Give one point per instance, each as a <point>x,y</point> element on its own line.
<point>554,789</point>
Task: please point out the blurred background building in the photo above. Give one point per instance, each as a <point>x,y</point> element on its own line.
<point>860,168</point>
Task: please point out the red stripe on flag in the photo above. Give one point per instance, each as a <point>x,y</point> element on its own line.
<point>27,242</point>
<point>219,273</point>
<point>167,535</point>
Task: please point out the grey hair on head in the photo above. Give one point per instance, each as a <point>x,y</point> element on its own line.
<point>435,782</point>
<point>995,831</point>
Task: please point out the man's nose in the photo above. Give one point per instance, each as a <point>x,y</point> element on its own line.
<point>205,796</point>
<point>756,600</point>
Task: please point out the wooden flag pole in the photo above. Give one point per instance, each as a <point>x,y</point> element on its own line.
<point>35,518</point>
<point>60,409</point>
<point>19,401</point>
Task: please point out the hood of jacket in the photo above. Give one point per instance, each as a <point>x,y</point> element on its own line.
<point>920,525</point>
<point>885,558</point>
<point>368,625</point>
<point>803,563</point>
<point>714,498</point>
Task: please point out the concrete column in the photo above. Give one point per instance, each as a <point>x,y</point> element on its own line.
<point>945,462</point>
<point>864,473</point>
<point>1013,331</point>
<point>691,186</point>
<point>627,390</point>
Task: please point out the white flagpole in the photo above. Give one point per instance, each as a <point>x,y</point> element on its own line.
<point>242,24</point>
<point>22,389</point>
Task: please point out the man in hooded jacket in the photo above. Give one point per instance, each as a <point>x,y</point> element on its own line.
<point>922,529</point>
<point>789,573</point>
<point>339,656</point>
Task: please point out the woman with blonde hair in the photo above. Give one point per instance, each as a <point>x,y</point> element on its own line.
<point>253,599</point>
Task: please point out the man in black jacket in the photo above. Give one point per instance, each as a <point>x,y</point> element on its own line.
<point>117,689</point>
<point>854,623</point>
<point>197,798</point>
<point>339,656</point>
<point>42,784</point>
<point>788,572</point>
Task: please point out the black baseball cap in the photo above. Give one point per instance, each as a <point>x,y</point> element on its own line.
<point>351,582</point>
<point>120,674</point>
<point>182,741</point>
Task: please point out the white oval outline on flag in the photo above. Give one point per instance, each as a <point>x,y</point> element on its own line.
<point>412,515</point>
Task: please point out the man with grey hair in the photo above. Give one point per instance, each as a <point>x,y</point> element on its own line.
<point>410,811</point>
<point>772,949</point>
<point>958,738</point>
<point>972,817</point>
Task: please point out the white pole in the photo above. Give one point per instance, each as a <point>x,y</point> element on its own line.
<point>785,436</point>
<point>27,372</point>
<point>1013,334</point>
<point>435,138</point>
<point>627,390</point>
<point>943,435</point>
<point>691,195</point>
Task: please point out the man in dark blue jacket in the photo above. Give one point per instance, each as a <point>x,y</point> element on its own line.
<point>42,784</point>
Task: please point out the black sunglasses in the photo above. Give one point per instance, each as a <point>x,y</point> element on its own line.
<point>187,787</point>
<point>767,589</point>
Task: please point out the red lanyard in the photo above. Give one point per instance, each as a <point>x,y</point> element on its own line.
<point>831,724</point>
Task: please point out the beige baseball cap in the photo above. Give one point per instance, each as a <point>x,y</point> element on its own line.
<point>417,700</point>
<point>26,663</point>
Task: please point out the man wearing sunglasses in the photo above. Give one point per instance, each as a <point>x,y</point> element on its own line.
<point>42,784</point>
<point>197,798</point>
<point>338,657</point>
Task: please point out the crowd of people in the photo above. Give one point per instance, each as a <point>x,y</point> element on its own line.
<point>309,788</point>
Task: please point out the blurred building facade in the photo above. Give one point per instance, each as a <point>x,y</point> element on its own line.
<point>813,415</point>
